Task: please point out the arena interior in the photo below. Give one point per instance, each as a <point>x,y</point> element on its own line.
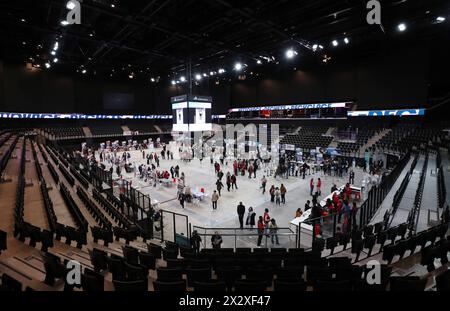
<point>224,146</point>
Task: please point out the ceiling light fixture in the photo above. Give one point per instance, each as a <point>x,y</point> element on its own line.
<point>70,5</point>
<point>291,53</point>
<point>401,27</point>
<point>238,66</point>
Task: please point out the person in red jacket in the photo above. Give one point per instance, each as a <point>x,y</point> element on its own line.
<point>319,185</point>
<point>311,186</point>
<point>261,228</point>
<point>317,229</point>
<point>235,167</point>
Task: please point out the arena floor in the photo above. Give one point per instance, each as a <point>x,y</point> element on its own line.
<point>201,175</point>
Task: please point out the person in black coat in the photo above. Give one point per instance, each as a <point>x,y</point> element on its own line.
<point>219,186</point>
<point>241,212</point>
<point>195,241</point>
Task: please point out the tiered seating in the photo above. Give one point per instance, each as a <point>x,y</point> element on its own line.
<point>414,215</point>
<point>5,157</point>
<point>48,204</point>
<point>363,136</point>
<point>79,177</point>
<point>399,193</point>
<point>66,174</point>
<point>63,132</point>
<point>405,137</point>
<point>142,128</point>
<point>308,138</point>
<point>111,210</point>
<point>9,284</point>
<point>101,219</point>
<point>73,208</point>
<point>106,130</point>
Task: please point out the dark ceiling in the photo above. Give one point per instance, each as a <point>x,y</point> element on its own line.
<point>161,37</point>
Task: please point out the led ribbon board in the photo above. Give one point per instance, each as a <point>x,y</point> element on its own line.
<point>292,107</point>
<point>387,113</point>
<point>28,115</point>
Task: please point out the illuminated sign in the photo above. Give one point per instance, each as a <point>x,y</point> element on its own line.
<point>27,115</point>
<point>387,113</point>
<point>292,107</point>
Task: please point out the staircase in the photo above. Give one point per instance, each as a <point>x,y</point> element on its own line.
<point>331,131</point>
<point>372,141</point>
<point>158,129</point>
<point>87,131</point>
<point>125,129</point>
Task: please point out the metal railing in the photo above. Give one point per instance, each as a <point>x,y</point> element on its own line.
<point>248,237</point>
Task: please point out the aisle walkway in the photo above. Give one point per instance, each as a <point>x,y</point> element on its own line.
<point>445,157</point>
<point>387,203</point>
<point>429,200</point>
<point>407,201</point>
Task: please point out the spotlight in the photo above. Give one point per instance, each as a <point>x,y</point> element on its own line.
<point>131,75</point>
<point>56,46</point>
<point>64,23</point>
<point>152,79</point>
<point>290,53</point>
<point>335,43</point>
<point>238,67</point>
<point>53,53</point>
<point>47,65</point>
<point>182,79</point>
<point>401,27</point>
<point>70,5</point>
<point>198,76</point>
<point>221,71</point>
<point>173,82</point>
<point>113,5</point>
<point>321,47</point>
<point>55,60</point>
<point>314,47</point>
<point>346,41</point>
<point>23,20</point>
<point>205,75</point>
<point>212,73</point>
<point>83,71</point>
<point>259,62</point>
<point>440,19</point>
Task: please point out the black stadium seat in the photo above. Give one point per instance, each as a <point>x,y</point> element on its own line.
<point>131,286</point>
<point>3,239</point>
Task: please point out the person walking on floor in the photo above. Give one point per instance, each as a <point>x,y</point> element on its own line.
<point>319,185</point>
<point>352,177</point>
<point>272,193</point>
<point>216,240</point>
<point>263,184</point>
<point>233,182</point>
<point>261,228</point>
<point>214,199</point>
<point>250,218</point>
<point>283,194</point>
<point>241,212</point>
<point>277,196</point>
<point>219,186</point>
<point>273,228</point>
<point>181,197</point>
<point>311,186</point>
<point>228,181</point>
